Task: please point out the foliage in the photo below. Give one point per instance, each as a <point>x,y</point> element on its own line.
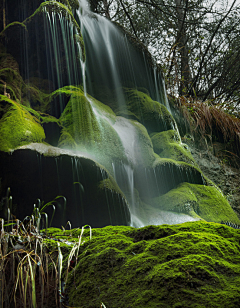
<point>27,266</point>
<point>211,124</point>
<point>165,266</point>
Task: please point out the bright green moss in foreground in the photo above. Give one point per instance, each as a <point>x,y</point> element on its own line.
<point>193,264</point>
<point>17,126</point>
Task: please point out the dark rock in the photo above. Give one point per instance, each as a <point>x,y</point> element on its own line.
<point>47,172</point>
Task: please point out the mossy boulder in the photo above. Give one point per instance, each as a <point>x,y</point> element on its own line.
<point>168,144</point>
<point>92,127</point>
<point>196,200</point>
<point>88,126</point>
<point>17,125</point>
<point>153,115</point>
<point>193,264</point>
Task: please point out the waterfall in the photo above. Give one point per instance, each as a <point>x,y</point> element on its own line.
<point>109,99</point>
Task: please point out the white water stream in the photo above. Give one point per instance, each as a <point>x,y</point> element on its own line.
<point>111,62</point>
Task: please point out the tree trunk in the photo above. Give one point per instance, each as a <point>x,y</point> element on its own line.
<point>181,7</point>
<point>4,15</point>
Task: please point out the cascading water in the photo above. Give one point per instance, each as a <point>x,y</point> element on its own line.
<point>110,151</point>
<point>110,63</point>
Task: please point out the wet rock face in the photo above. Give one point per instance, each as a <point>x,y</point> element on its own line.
<point>225,176</point>
<point>32,176</point>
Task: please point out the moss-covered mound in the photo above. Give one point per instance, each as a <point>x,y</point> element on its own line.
<point>188,265</point>
<point>88,126</point>
<point>153,115</point>
<point>195,200</point>
<point>17,125</point>
<point>167,144</point>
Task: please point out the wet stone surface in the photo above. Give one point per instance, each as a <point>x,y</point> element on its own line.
<point>226,177</point>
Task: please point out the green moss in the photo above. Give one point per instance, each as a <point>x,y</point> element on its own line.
<point>13,25</point>
<point>64,9</point>
<point>167,144</point>
<point>79,40</point>
<point>35,98</point>
<point>143,148</point>
<point>197,201</point>
<point>43,118</point>
<point>127,114</point>
<point>17,126</point>
<point>181,165</point>
<point>71,4</point>
<point>153,115</point>
<point>111,186</point>
<point>13,82</point>
<point>188,265</point>
<point>87,122</point>
<point>66,141</point>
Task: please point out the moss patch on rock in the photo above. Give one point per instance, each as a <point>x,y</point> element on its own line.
<point>195,200</point>
<point>10,76</point>
<point>167,144</point>
<point>188,265</point>
<point>153,115</point>
<point>88,123</point>
<point>17,126</point>
<point>35,98</point>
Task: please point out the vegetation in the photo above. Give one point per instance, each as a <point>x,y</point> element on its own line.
<point>188,265</point>
<point>205,202</point>
<point>208,126</point>
<point>28,268</point>
<point>195,42</point>
<point>17,126</point>
<point>165,266</point>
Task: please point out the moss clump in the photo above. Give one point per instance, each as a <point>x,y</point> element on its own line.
<point>16,25</point>
<point>35,98</point>
<point>71,4</point>
<point>143,148</point>
<point>87,127</point>
<point>167,144</point>
<point>13,83</point>
<point>197,201</point>
<point>66,141</point>
<point>17,126</point>
<point>188,265</point>
<point>10,76</point>
<point>153,115</point>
